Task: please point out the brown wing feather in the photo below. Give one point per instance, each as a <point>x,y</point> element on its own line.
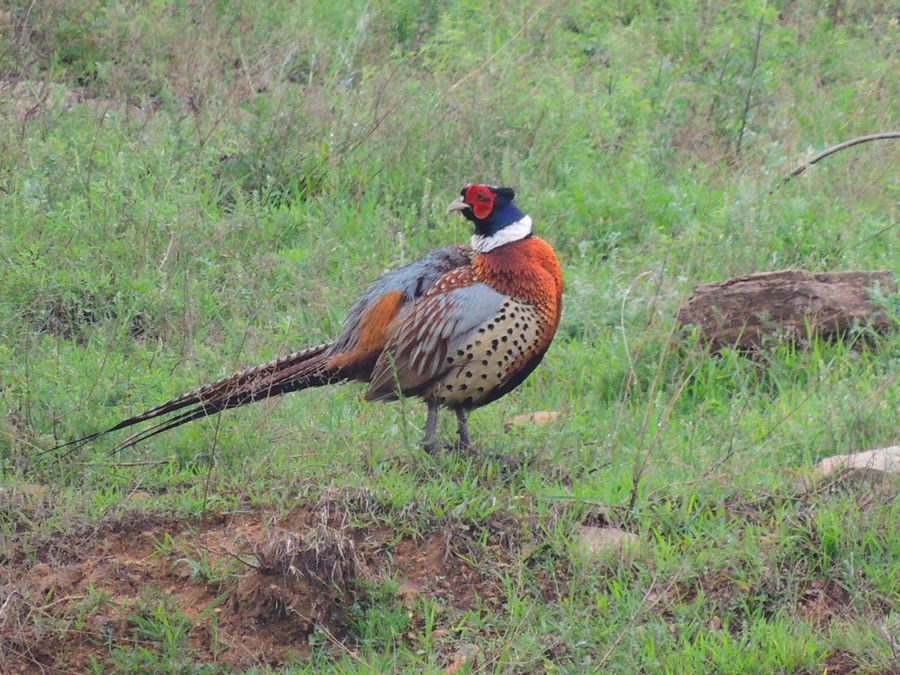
<point>416,354</point>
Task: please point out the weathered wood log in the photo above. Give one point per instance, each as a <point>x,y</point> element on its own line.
<point>790,304</point>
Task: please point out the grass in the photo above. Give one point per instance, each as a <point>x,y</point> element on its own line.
<point>189,189</point>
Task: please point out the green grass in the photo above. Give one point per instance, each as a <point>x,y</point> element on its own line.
<point>189,189</point>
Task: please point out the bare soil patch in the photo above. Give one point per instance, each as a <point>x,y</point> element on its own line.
<point>248,589</point>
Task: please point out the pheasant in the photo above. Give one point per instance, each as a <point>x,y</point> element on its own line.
<point>459,328</point>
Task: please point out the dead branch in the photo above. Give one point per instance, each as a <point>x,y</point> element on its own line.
<point>746,311</point>
<point>837,148</point>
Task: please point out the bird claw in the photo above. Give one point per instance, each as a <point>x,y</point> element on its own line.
<point>472,451</point>
<point>511,463</point>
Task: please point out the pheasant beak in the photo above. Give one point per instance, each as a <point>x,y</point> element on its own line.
<point>457,204</point>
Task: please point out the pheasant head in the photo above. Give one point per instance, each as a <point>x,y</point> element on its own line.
<point>495,216</point>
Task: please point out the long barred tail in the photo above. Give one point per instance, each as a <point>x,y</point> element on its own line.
<point>300,370</point>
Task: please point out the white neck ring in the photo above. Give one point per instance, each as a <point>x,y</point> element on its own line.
<point>513,232</point>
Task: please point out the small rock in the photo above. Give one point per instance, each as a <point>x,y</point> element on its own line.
<point>32,489</point>
<point>467,653</point>
<point>68,577</point>
<point>538,417</point>
<point>883,459</point>
<point>408,592</point>
<point>25,489</point>
<point>597,541</point>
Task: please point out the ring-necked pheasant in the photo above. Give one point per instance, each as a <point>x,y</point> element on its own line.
<point>460,327</point>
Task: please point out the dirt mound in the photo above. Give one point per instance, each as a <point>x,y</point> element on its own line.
<point>236,590</point>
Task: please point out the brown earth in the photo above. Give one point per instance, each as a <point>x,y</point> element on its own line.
<point>248,589</point>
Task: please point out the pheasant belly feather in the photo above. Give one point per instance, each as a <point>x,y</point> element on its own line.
<point>481,368</point>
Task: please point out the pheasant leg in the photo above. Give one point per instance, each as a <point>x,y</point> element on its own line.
<point>429,443</point>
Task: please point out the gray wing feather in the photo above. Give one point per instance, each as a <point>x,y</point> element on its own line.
<point>467,308</point>
<point>432,328</point>
<point>411,280</point>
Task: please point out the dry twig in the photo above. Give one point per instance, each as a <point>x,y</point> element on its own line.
<point>803,166</point>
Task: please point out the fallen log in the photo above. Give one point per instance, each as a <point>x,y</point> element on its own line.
<point>746,311</point>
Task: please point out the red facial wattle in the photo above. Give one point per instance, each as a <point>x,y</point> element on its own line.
<point>481,199</point>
